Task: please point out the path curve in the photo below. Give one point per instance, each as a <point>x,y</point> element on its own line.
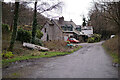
<point>91,61</point>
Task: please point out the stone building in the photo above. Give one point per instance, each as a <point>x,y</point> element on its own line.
<point>59,30</point>
<point>51,31</point>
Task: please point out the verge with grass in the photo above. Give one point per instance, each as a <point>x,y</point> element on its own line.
<point>111,47</point>
<point>41,55</point>
<point>113,54</point>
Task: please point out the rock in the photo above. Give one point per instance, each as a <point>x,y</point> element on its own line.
<point>16,62</point>
<point>21,66</point>
<point>116,65</point>
<point>35,47</point>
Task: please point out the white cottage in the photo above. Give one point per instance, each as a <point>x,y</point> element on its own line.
<point>87,30</point>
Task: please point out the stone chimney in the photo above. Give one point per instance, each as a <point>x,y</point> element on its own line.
<point>71,20</point>
<point>61,19</point>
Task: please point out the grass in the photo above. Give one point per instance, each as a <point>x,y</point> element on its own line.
<point>75,49</point>
<point>111,47</point>
<point>113,54</point>
<point>41,55</point>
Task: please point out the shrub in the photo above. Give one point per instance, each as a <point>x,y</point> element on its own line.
<point>94,38</point>
<point>97,37</point>
<point>24,35</point>
<point>91,40</point>
<point>38,42</point>
<point>39,34</point>
<point>7,54</point>
<point>5,27</point>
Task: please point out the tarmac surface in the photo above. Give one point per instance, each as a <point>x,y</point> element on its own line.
<point>91,61</point>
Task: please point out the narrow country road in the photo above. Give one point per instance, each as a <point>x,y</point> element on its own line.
<point>91,61</point>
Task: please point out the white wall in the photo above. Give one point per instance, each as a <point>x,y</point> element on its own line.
<point>44,37</point>
<point>87,31</point>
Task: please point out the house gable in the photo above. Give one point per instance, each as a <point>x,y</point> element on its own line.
<point>53,31</point>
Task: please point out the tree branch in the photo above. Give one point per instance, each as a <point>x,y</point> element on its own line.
<point>52,7</point>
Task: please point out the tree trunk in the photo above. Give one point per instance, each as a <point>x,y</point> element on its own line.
<point>13,38</point>
<point>34,26</point>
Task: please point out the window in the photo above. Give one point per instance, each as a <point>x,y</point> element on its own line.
<point>64,28</point>
<point>67,28</point>
<point>71,29</point>
<point>78,29</point>
<point>45,30</point>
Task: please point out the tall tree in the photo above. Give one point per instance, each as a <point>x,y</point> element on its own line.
<point>34,26</point>
<point>105,18</point>
<point>13,38</point>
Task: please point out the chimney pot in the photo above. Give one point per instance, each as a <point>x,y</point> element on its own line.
<point>61,19</point>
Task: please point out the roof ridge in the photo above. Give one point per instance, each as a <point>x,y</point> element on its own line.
<point>57,25</point>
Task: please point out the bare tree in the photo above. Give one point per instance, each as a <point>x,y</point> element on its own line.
<point>111,11</point>
<point>47,7</point>
<point>105,17</point>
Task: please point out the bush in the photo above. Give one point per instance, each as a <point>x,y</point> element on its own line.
<point>97,37</point>
<point>7,54</point>
<point>23,35</point>
<point>91,40</point>
<point>94,38</point>
<point>5,27</point>
<point>38,42</point>
<point>39,34</point>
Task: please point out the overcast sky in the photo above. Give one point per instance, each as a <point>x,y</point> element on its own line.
<point>73,9</point>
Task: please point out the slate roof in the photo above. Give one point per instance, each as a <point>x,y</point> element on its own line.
<point>68,23</point>
<point>64,23</point>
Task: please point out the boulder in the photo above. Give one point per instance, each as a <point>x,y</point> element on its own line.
<point>35,47</point>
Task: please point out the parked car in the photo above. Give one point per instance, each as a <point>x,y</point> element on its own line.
<point>72,40</point>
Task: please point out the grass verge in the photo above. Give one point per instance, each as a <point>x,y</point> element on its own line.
<point>113,54</point>
<point>42,54</point>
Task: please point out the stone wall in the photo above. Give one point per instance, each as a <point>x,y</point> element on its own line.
<point>53,32</point>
